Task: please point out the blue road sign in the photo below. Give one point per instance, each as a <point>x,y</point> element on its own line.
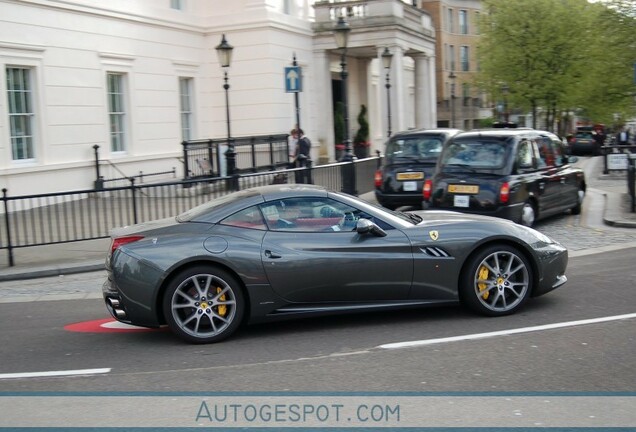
<point>293,79</point>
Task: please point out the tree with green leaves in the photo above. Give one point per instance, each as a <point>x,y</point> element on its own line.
<point>552,56</point>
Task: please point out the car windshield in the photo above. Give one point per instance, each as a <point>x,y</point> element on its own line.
<point>584,135</point>
<point>475,153</point>
<point>415,147</point>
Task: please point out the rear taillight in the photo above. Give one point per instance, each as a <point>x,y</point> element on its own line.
<point>504,193</point>
<point>426,190</point>
<point>120,241</point>
<point>378,179</point>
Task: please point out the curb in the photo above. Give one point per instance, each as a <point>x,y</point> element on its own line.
<point>612,215</point>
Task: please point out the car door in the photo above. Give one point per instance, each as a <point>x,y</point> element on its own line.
<point>548,183</point>
<point>314,262</point>
<point>568,177</point>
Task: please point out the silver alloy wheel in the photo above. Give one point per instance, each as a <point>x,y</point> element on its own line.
<point>203,305</point>
<point>527,215</point>
<point>501,281</point>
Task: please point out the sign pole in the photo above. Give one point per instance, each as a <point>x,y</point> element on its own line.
<point>296,98</point>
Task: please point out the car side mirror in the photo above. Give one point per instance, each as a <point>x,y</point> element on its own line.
<point>365,226</point>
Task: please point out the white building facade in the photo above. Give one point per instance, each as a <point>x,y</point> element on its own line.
<point>126,81</point>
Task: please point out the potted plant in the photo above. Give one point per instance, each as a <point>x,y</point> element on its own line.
<point>339,129</point>
<point>361,141</point>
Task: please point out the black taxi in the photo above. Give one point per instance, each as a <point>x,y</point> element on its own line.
<point>519,174</point>
<point>409,159</point>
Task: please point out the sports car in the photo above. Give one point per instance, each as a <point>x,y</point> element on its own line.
<point>284,251</point>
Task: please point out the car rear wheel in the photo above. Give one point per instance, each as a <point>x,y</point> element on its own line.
<point>496,281</point>
<point>203,304</point>
<point>528,214</point>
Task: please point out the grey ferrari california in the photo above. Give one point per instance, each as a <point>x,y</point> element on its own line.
<point>285,251</point>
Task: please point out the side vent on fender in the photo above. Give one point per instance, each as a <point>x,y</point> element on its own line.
<point>435,252</point>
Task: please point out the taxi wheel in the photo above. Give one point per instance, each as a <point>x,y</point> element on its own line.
<point>528,214</point>
<point>579,203</point>
<point>203,304</point>
<point>496,281</point>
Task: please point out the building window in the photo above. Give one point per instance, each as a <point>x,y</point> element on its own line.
<point>477,18</point>
<point>463,22</point>
<point>116,112</point>
<point>451,56</point>
<point>464,58</point>
<point>185,97</point>
<point>21,115</point>
<point>466,94</point>
<point>450,27</point>
<point>176,4</point>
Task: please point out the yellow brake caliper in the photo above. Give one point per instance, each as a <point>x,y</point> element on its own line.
<point>483,275</point>
<point>221,309</point>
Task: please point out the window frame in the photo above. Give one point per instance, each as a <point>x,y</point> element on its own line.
<point>186,113</point>
<point>21,109</point>
<point>118,129</point>
<point>464,58</point>
<point>463,21</point>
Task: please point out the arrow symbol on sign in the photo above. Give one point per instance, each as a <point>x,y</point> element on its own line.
<point>292,76</point>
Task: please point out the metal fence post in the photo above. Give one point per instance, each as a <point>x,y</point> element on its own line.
<point>186,164</point>
<point>379,155</point>
<point>134,199</point>
<point>605,151</point>
<point>631,181</point>
<point>7,225</point>
<point>99,180</point>
<point>349,177</point>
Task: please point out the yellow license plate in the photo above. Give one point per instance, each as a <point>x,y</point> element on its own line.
<point>469,189</point>
<point>410,176</point>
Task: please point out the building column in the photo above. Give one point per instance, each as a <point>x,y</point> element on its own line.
<point>425,98</point>
<point>381,97</point>
<point>323,148</point>
<point>399,93</point>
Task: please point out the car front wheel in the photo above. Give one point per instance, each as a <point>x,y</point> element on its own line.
<point>203,304</point>
<point>496,281</point>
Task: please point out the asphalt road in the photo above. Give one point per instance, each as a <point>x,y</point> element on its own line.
<point>344,353</point>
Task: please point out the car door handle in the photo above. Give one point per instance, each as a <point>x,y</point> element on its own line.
<point>272,255</point>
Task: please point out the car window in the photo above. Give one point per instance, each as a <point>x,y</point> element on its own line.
<point>476,153</point>
<point>422,147</point>
<point>199,212</point>
<point>524,154</point>
<point>250,217</point>
<point>584,135</point>
<point>545,156</point>
<point>557,147</point>
<point>315,214</point>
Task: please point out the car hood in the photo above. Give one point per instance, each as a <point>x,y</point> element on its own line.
<point>446,216</point>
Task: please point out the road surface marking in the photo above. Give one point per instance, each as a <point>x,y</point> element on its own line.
<point>417,343</point>
<point>55,373</point>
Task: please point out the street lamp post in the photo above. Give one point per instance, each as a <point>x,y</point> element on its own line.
<point>386,62</point>
<point>224,53</point>
<point>452,77</point>
<point>504,90</point>
<point>341,33</point>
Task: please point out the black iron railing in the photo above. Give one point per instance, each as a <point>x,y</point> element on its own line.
<point>52,218</point>
<point>206,158</point>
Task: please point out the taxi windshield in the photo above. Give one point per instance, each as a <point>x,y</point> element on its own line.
<point>415,147</point>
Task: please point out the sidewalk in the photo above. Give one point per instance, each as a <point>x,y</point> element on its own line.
<point>87,256</point>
